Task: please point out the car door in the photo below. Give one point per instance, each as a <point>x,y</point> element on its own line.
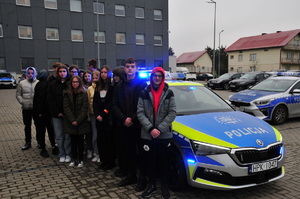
<point>294,106</point>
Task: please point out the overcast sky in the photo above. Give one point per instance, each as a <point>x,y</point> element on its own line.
<point>191,22</point>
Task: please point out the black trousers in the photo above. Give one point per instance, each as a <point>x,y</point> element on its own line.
<point>106,143</point>
<point>42,123</point>
<point>157,152</point>
<point>77,145</point>
<point>28,116</point>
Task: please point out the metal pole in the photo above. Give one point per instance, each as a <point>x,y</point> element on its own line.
<point>98,43</point>
<point>214,49</point>
<point>219,53</point>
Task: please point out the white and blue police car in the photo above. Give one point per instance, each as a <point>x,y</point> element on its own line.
<point>275,99</point>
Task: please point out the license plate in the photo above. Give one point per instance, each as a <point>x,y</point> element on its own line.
<point>263,166</point>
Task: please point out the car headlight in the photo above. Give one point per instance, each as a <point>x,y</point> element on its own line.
<point>263,102</point>
<point>201,148</point>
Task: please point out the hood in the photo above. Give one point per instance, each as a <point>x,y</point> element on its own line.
<point>158,69</point>
<point>250,95</point>
<point>31,68</point>
<point>42,75</point>
<point>230,129</point>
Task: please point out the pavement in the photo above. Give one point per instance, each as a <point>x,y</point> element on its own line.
<point>25,174</point>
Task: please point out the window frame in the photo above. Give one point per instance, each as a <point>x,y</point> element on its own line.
<point>161,40</point>
<point>72,7</point>
<point>19,32</point>
<point>154,15</point>
<point>50,1</point>
<point>252,57</point>
<point>95,36</point>
<point>142,39</point>
<point>124,10</point>
<point>29,62</point>
<point>240,58</point>
<point>120,34</point>
<point>72,34</point>
<point>55,30</point>
<point>137,13</point>
<point>96,10</point>
<point>26,3</point>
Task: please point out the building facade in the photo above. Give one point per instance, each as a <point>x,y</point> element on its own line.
<point>266,52</point>
<point>198,62</point>
<point>41,32</point>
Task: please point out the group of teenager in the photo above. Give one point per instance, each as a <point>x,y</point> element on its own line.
<point>113,115</point>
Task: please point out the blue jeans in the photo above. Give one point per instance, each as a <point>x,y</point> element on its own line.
<point>94,135</point>
<point>63,140</point>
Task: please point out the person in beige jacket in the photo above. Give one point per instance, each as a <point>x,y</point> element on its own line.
<point>90,92</point>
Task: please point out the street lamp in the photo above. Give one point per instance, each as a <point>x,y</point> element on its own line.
<point>220,52</point>
<point>214,53</point>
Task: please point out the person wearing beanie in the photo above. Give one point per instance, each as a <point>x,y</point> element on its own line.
<point>42,114</point>
<point>156,110</point>
<point>24,95</point>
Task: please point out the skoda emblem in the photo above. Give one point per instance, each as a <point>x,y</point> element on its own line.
<point>259,142</point>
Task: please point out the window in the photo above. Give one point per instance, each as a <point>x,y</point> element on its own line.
<point>120,38</point>
<point>76,35</point>
<point>52,34</point>
<point>75,5</point>
<point>240,58</point>
<point>26,62</point>
<point>51,4</point>
<point>139,13</point>
<point>141,63</point>
<point>25,32</point>
<point>298,56</point>
<point>1,31</point>
<point>140,39</point>
<point>252,57</point>
<point>296,43</point>
<point>98,8</point>
<point>23,2</point>
<point>120,10</point>
<point>231,56</point>
<point>99,37</point>
<point>79,62</point>
<point>158,63</point>
<point>157,15</point>
<point>289,56</point>
<point>157,40</point>
<point>2,63</point>
<point>120,62</point>
<point>51,61</point>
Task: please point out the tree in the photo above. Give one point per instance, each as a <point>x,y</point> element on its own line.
<point>171,52</point>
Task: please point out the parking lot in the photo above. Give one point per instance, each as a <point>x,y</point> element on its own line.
<point>25,174</point>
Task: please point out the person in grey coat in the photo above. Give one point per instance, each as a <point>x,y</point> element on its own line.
<point>24,95</point>
<point>156,110</point>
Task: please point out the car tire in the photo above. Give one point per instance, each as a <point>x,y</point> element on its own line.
<point>177,179</point>
<point>279,115</point>
<point>226,86</point>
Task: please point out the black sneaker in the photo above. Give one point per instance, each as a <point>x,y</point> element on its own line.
<point>142,184</point>
<point>151,189</point>
<point>165,192</point>
<point>44,153</point>
<point>55,150</point>
<point>26,146</point>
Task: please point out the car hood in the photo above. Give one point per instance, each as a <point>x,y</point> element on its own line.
<point>250,95</point>
<point>229,129</point>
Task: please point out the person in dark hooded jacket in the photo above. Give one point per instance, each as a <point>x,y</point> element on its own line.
<point>42,114</point>
<point>156,110</point>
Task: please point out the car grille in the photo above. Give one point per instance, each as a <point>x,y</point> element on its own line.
<point>250,156</point>
<point>238,104</point>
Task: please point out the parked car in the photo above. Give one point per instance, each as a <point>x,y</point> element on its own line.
<point>216,147</point>
<point>7,80</point>
<point>177,76</point>
<point>191,76</point>
<point>204,76</point>
<point>275,99</point>
<point>247,80</point>
<point>223,80</point>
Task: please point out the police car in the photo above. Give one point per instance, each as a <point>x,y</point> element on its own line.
<point>216,147</point>
<point>275,99</point>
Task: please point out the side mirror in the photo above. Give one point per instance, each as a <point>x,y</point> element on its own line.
<point>296,91</point>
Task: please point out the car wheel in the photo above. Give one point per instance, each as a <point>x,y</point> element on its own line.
<point>226,86</point>
<point>177,178</point>
<point>279,115</point>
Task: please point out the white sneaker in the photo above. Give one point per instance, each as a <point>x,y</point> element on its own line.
<point>72,164</point>
<point>96,158</point>
<point>68,159</point>
<point>80,164</point>
<point>62,159</point>
<point>89,154</point>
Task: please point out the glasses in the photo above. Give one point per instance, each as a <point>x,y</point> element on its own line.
<point>157,76</point>
<point>75,82</point>
<point>129,66</point>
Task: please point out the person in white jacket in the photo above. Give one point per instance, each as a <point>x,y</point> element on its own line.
<point>24,95</point>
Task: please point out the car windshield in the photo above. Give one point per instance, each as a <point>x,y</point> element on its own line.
<point>248,76</point>
<point>225,76</point>
<point>277,85</point>
<point>5,75</point>
<point>197,99</point>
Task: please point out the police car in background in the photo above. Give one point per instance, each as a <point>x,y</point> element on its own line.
<point>275,99</point>
<point>216,147</point>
